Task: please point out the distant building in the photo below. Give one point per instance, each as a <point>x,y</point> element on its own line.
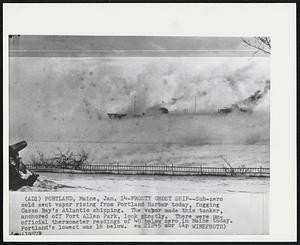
<point>233,108</point>
<point>116,115</point>
<point>156,111</point>
<point>225,110</point>
<point>138,115</point>
<point>164,110</point>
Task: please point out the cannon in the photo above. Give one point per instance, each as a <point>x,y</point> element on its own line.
<point>19,175</point>
<point>14,149</point>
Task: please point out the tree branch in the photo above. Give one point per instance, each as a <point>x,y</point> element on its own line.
<point>260,40</point>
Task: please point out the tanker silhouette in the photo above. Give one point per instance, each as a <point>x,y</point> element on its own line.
<point>19,175</point>
<point>150,111</point>
<point>246,105</point>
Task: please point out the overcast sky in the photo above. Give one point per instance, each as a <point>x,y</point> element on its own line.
<point>128,46</point>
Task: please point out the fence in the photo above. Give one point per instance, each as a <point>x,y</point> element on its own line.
<point>155,170</point>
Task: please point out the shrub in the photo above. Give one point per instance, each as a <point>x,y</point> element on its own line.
<point>61,159</point>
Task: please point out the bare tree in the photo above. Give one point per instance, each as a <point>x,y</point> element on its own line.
<point>227,162</point>
<point>40,159</point>
<point>62,159</point>
<point>262,44</point>
<point>81,159</point>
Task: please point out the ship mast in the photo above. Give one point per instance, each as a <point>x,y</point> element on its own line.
<point>134,105</point>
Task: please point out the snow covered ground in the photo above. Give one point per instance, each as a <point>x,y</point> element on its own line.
<point>182,140</point>
<point>148,184</point>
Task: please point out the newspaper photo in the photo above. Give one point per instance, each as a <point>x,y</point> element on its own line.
<point>139,135</point>
<point>149,123</point>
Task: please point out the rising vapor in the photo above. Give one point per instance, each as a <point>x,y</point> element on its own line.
<point>73,95</point>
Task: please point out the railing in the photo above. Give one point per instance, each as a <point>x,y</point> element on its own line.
<point>154,170</point>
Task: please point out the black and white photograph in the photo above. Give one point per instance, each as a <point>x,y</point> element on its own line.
<point>128,133</point>
<point>127,113</point>
<point>137,114</point>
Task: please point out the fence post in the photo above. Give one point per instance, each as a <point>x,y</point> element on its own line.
<point>172,169</point>
<point>260,168</point>
<point>145,168</point>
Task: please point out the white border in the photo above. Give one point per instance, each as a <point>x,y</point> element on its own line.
<point>275,20</point>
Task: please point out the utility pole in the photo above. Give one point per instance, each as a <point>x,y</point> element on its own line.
<point>195,104</point>
<point>134,105</point>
